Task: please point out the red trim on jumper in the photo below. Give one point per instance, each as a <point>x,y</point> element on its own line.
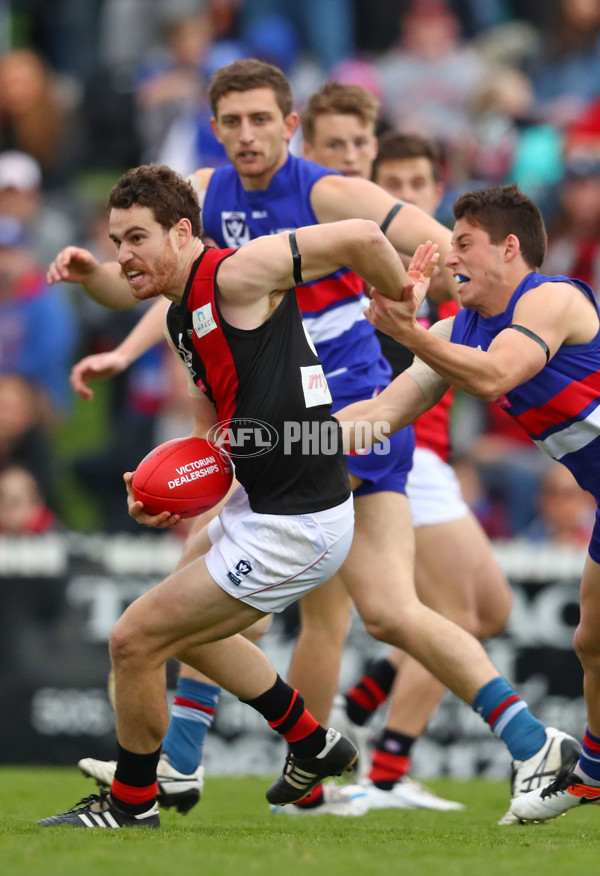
<point>190,704</point>
<point>590,743</point>
<point>499,709</point>
<point>213,349</point>
<point>569,402</point>
<point>275,724</point>
<point>131,794</point>
<point>321,294</point>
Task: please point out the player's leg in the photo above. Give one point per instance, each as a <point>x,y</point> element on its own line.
<point>392,613</point>
<point>324,621</point>
<point>582,784</point>
<point>454,561</point>
<point>191,616</point>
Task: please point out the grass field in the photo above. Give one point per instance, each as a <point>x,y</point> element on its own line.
<point>232,832</point>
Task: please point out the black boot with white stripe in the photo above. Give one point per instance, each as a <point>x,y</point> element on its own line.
<point>300,775</point>
<point>100,810</point>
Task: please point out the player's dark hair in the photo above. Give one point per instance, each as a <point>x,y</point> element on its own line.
<point>504,210</point>
<point>164,191</point>
<point>247,74</point>
<point>342,99</point>
<point>394,145</point>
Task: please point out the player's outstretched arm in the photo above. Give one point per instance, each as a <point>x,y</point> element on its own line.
<point>104,283</point>
<point>267,264</point>
<point>337,197</point>
<point>411,394</point>
<point>101,366</point>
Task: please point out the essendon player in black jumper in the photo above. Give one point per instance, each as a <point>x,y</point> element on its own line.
<point>235,323</point>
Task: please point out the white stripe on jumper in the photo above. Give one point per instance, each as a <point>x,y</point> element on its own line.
<point>574,437</point>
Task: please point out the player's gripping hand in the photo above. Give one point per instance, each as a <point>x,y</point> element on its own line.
<point>73,264</point>
<point>99,366</point>
<point>164,520</point>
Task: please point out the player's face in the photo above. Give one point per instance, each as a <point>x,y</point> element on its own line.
<point>146,252</point>
<point>411,180</point>
<point>343,143</point>
<point>254,133</point>
<point>479,267</point>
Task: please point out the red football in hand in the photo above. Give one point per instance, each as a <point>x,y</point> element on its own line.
<point>186,476</point>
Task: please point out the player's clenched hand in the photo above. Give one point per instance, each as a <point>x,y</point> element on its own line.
<point>72,264</point>
<point>100,366</point>
<point>136,510</point>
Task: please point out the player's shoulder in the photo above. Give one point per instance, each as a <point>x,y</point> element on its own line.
<point>201,178</point>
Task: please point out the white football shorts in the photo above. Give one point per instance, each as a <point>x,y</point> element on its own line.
<point>433,490</point>
<point>271,560</point>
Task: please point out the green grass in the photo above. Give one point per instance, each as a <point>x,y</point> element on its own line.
<point>232,832</point>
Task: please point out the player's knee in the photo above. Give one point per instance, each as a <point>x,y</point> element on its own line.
<point>385,627</point>
<point>495,624</point>
<point>587,647</point>
<point>125,644</point>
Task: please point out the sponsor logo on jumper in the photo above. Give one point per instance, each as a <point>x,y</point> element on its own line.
<point>314,386</point>
<point>234,228</point>
<point>203,320</point>
<point>193,471</point>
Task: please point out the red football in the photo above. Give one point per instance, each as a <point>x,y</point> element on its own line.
<point>185,476</point>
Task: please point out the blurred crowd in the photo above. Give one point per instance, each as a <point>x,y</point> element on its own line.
<point>509,91</point>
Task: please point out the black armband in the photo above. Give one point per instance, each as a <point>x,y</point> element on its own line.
<point>533,336</point>
<point>388,219</point>
<point>296,259</point>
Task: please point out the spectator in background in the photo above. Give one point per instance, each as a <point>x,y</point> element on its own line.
<point>565,511</point>
<point>38,329</point>
<point>35,115</point>
<point>566,75</point>
<point>574,236</point>
<point>22,507</point>
<point>430,76</point>
<point>24,437</point>
<point>171,83</point>
<point>21,197</point>
<point>325,28</point>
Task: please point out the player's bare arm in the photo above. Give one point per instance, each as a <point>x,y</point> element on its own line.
<point>148,332</point>
<point>411,394</point>
<point>104,283</point>
<point>559,313</point>
<point>266,264</point>
<point>337,197</point>
<point>554,315</point>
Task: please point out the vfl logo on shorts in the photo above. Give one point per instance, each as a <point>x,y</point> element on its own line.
<point>234,228</point>
<point>239,571</point>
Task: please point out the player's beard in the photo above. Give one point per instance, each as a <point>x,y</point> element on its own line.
<point>162,277</point>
